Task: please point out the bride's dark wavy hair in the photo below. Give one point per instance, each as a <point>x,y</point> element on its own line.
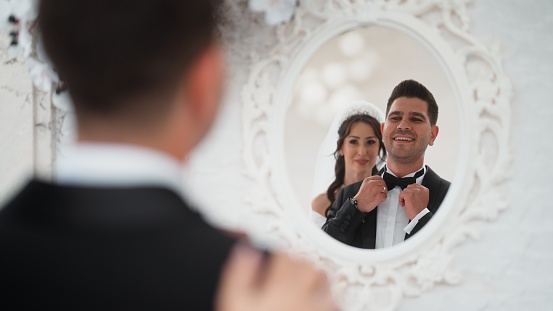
<point>340,166</point>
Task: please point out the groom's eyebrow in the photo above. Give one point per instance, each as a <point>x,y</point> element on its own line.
<point>418,114</point>
<point>395,113</point>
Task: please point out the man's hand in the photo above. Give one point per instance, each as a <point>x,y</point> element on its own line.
<point>373,191</point>
<point>283,284</point>
<point>414,199</point>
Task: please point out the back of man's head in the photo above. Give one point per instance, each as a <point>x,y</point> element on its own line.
<point>414,89</point>
<point>113,55</point>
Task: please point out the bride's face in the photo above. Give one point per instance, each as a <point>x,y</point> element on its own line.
<point>360,149</point>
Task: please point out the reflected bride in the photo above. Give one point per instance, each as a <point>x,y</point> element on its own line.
<point>385,209</point>
<point>353,146</point>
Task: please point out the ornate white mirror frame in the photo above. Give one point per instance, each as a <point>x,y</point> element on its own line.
<point>483,94</point>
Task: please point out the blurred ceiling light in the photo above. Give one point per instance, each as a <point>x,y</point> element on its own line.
<point>313,92</point>
<point>324,115</point>
<point>372,56</point>
<point>343,96</point>
<point>351,43</point>
<point>333,74</point>
<point>360,70</point>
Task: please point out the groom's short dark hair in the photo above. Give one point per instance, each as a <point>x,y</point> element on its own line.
<point>414,89</point>
<point>109,52</point>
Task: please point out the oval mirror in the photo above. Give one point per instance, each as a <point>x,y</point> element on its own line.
<point>361,63</point>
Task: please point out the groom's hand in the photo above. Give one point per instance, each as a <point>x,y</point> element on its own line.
<point>373,191</point>
<point>283,283</point>
<point>414,199</point>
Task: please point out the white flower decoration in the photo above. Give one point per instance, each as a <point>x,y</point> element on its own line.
<point>62,101</point>
<point>276,11</point>
<point>41,74</point>
<point>26,12</point>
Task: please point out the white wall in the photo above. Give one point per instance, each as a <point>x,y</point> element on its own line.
<point>509,268</point>
<point>16,122</point>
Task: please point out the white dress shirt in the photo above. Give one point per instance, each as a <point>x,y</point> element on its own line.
<point>117,165</point>
<point>391,220</point>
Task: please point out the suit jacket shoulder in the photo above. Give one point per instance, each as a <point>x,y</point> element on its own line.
<point>75,248</point>
<point>437,187</point>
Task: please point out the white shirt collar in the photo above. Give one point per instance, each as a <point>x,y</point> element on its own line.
<point>103,164</point>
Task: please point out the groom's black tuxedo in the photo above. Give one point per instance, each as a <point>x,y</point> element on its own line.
<point>77,248</point>
<point>350,226</point>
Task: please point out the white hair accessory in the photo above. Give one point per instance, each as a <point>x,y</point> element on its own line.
<point>361,107</point>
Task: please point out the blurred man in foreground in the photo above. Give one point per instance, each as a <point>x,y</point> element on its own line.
<point>114,232</point>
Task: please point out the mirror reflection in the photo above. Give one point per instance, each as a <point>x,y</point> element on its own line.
<point>359,123</point>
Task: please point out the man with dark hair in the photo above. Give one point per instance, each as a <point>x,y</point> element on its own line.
<point>414,89</point>
<point>114,232</point>
<point>385,209</point>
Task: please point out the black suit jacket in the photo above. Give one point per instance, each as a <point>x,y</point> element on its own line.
<point>76,248</point>
<point>350,226</point>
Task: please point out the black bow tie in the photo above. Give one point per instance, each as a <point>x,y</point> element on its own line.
<point>392,181</point>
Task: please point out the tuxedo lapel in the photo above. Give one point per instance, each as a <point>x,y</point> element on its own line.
<point>432,181</point>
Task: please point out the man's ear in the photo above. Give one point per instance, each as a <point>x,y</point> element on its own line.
<point>204,85</point>
<point>433,134</point>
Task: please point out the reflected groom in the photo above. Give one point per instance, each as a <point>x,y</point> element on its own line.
<point>388,208</point>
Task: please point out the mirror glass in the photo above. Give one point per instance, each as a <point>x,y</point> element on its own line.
<point>363,64</point>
